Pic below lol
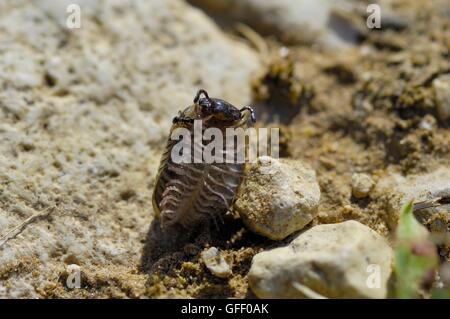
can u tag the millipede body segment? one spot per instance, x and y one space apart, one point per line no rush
186 193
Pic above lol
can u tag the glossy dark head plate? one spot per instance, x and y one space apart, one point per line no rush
220 109
212 110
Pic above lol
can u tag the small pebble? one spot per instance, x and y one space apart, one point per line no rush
216 264
396 189
278 197
284 52
362 184
428 123
441 87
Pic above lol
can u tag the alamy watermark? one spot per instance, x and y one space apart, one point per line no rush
235 145
74 276
73 20
374 19
373 280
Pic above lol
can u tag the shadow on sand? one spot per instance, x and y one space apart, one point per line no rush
163 249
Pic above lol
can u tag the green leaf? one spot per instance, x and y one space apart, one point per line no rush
416 257
440 293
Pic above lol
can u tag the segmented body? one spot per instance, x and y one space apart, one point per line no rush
193 191
186 193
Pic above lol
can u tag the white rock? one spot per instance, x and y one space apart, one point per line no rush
216 263
441 87
395 190
362 184
345 260
278 197
298 21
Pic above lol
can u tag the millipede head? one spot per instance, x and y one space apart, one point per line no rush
220 110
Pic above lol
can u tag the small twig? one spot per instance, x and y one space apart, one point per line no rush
308 292
435 202
255 39
19 228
